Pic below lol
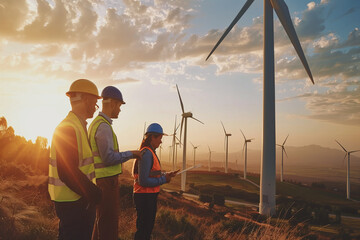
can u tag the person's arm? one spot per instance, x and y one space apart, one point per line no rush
144 167
68 165
105 143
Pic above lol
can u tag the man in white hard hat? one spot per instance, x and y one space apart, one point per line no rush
108 161
71 166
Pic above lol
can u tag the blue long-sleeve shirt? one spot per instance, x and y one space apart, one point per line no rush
144 167
105 144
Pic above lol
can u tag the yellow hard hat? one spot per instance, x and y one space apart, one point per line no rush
83 86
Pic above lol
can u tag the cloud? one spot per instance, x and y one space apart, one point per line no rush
340 104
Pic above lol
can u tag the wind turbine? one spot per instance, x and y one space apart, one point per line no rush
268 171
170 153
282 158
195 147
246 141
210 158
174 147
348 169
227 135
185 116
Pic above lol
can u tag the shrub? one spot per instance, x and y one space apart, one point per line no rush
205 198
219 199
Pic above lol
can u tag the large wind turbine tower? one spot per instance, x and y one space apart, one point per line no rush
268 166
227 135
185 116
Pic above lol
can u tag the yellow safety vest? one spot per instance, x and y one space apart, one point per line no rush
101 170
58 191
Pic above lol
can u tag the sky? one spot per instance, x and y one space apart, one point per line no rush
146 47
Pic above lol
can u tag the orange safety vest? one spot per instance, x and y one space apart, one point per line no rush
155 172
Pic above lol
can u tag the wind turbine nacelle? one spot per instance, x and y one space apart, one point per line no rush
248 140
228 134
187 114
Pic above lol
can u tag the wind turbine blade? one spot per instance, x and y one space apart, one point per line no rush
192 145
286 139
209 148
283 13
236 19
175 126
181 103
178 140
197 120
341 146
243 134
223 127
279 145
182 121
285 152
344 158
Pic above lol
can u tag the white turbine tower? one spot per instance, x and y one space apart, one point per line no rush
268 171
169 153
227 135
185 116
348 169
246 141
174 144
195 147
210 158
282 158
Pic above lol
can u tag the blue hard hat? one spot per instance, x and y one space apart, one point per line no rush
112 92
155 128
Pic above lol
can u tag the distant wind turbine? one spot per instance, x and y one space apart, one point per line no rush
210 158
174 144
185 116
170 153
268 166
246 141
227 135
282 158
195 147
347 153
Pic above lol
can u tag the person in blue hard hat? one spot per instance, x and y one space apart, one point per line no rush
147 180
108 163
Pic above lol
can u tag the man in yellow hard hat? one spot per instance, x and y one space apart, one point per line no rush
71 166
108 163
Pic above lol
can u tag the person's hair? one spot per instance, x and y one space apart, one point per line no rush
147 139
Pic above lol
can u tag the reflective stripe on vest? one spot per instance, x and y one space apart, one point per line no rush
155 172
58 190
101 170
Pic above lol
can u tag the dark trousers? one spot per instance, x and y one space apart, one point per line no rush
76 220
106 222
146 205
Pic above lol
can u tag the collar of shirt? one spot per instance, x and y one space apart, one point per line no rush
106 117
82 121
